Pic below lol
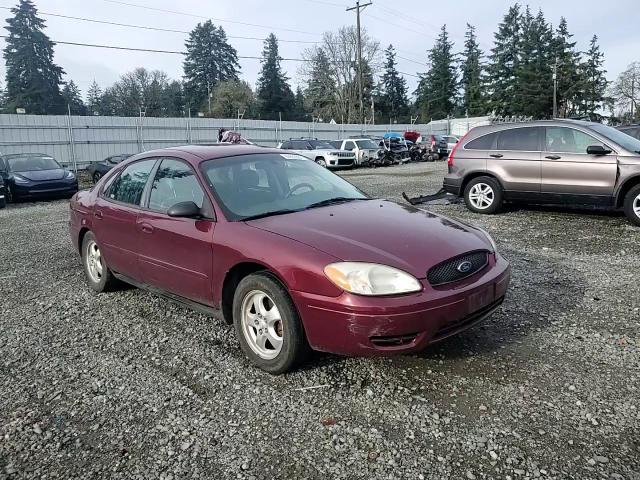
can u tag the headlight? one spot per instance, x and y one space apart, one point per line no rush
69 175
20 180
371 278
493 244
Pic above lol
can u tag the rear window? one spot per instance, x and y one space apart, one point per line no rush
523 139
485 142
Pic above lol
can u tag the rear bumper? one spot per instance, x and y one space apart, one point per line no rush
452 185
366 326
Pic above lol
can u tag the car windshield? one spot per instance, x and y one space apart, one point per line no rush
367 144
625 141
321 144
30 163
264 184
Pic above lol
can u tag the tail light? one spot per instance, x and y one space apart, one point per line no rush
453 150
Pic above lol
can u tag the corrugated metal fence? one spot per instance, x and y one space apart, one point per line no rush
76 140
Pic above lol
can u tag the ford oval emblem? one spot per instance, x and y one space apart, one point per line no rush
464 267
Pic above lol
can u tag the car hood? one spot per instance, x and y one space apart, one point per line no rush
378 231
43 175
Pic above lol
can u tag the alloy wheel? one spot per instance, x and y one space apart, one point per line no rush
262 324
321 162
636 206
481 196
94 262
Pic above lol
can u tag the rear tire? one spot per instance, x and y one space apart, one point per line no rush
96 270
276 316
483 195
632 205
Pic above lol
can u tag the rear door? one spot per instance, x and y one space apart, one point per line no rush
570 174
515 160
175 254
115 214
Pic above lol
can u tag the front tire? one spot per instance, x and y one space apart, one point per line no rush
632 205
483 195
96 270
321 161
267 324
96 177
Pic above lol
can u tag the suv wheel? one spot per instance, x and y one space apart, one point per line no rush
483 195
320 161
632 205
267 324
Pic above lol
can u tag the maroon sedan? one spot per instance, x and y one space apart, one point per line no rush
290 253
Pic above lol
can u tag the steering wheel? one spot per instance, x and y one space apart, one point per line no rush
299 186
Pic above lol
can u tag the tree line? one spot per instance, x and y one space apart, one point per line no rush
515 78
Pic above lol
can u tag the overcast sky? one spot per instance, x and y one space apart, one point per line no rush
414 25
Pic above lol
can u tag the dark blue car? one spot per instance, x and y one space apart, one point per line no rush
36 175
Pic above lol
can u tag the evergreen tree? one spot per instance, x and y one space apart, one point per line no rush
503 63
567 60
533 95
73 99
392 102
299 110
473 102
173 101
273 90
210 59
594 80
33 80
436 92
94 94
321 86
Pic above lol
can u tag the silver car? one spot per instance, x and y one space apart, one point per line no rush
549 162
320 151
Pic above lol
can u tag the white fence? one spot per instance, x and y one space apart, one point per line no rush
76 140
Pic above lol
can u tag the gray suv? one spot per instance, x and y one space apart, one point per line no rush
550 162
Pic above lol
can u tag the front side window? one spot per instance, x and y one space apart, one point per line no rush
568 140
519 139
31 163
174 182
128 187
260 184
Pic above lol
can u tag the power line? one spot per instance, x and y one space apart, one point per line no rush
193 15
155 29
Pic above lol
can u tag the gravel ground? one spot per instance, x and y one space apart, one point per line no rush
129 385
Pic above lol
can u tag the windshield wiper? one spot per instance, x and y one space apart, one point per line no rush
333 201
269 214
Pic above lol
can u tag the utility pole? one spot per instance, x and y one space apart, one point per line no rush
633 95
358 8
555 89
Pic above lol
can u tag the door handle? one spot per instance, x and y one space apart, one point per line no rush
553 157
146 228
496 155
98 214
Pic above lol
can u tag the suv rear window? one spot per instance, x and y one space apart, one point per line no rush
523 139
485 142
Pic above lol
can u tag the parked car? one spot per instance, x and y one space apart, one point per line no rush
320 151
451 141
3 193
35 175
555 162
365 149
633 130
439 147
396 143
295 257
98 169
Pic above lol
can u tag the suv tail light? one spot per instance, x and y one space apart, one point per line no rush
455 147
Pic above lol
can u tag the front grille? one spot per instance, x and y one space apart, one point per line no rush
344 155
451 271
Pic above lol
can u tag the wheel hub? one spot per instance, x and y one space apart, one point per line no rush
262 324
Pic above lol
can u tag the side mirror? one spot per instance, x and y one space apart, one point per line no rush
185 210
597 150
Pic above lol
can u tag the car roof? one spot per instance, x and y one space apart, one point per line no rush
199 153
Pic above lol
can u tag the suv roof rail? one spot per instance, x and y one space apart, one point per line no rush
303 138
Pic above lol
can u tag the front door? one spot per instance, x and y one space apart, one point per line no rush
516 161
570 173
175 254
115 214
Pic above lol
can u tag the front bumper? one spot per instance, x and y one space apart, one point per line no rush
365 326
340 162
44 189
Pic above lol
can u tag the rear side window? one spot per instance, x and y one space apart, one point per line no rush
485 142
568 140
286 145
523 139
128 187
174 182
